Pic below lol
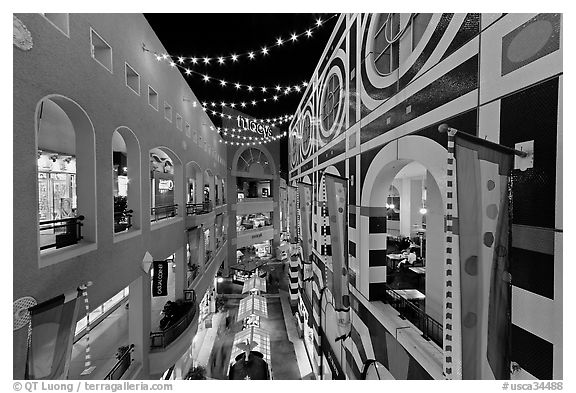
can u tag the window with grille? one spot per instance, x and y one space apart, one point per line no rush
331 101
387 38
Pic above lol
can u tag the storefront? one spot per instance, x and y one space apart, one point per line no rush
162 181
56 186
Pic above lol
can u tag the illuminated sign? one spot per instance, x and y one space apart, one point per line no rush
165 185
251 125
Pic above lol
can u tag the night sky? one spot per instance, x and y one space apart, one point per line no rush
214 35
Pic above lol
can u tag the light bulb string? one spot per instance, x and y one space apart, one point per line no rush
296 88
271 122
250 54
259 142
234 134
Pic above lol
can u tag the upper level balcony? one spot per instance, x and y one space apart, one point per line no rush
199 213
254 205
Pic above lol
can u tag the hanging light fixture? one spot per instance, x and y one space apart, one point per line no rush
423 210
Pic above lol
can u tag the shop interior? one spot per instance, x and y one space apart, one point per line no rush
253 188
253 221
406 232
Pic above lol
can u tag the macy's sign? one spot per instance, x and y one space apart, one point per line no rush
251 125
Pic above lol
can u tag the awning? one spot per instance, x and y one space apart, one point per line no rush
260 338
254 284
248 266
252 305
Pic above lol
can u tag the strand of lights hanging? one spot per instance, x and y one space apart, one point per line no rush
250 54
297 88
272 122
232 131
254 141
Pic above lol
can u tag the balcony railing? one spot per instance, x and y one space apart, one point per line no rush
163 338
121 366
123 221
429 327
162 212
60 233
191 275
198 208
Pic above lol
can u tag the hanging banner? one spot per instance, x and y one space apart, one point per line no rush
160 279
336 195
292 213
305 195
53 324
482 181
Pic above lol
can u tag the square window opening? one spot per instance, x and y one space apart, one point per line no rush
100 50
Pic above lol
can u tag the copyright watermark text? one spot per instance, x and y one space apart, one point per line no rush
89 386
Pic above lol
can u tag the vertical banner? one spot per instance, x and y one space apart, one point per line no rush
336 196
292 217
305 193
482 177
160 279
53 326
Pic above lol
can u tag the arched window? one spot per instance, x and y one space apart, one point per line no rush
306 132
331 101
254 160
165 172
390 28
66 174
126 179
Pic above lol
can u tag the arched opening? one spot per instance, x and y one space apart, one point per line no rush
126 179
66 173
193 183
405 258
217 190
223 187
208 190
165 185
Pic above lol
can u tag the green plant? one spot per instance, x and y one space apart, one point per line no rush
198 372
120 204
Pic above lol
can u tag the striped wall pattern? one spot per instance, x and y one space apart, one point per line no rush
520 100
88 361
377 232
294 278
448 270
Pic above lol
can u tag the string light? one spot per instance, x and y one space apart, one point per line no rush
251 54
250 88
270 121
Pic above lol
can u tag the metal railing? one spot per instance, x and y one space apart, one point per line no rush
163 338
191 275
123 221
162 212
60 233
121 365
430 328
198 208
208 255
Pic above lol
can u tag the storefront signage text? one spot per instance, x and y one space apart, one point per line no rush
256 235
165 185
251 125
